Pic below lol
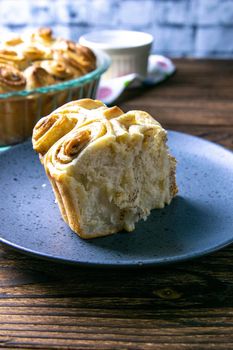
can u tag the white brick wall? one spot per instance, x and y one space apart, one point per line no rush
176 40
173 12
14 12
210 41
101 13
70 12
133 13
215 12
198 28
40 13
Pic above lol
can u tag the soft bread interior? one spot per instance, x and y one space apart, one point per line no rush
116 183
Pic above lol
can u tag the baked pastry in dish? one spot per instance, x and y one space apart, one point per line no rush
108 169
32 61
54 55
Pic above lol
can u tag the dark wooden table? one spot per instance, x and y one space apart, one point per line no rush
183 306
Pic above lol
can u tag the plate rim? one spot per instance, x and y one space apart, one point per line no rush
160 262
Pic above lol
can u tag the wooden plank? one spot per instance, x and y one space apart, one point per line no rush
200 93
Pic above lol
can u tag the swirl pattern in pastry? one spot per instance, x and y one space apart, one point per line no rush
14 58
37 77
11 79
59 69
62 59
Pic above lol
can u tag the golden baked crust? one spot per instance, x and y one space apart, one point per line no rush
108 169
62 59
37 77
11 79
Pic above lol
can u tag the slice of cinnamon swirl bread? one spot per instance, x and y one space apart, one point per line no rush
108 169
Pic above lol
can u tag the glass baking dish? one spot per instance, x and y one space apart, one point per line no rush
19 111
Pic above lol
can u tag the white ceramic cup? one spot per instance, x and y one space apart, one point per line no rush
128 50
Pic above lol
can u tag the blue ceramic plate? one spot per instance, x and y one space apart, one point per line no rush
198 221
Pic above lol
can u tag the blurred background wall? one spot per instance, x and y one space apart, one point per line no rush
199 28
